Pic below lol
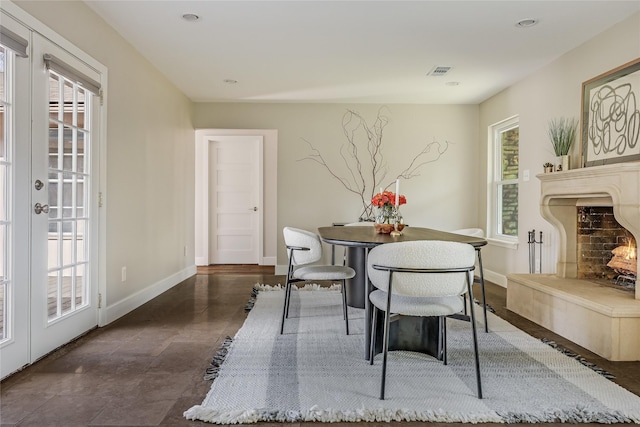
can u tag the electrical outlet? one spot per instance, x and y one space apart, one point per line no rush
124 274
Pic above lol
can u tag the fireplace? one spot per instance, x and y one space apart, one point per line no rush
616 186
601 318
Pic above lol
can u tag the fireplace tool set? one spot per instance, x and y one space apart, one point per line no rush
532 251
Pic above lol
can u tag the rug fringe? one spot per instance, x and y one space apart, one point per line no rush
577 415
211 373
307 287
315 414
489 308
579 358
258 287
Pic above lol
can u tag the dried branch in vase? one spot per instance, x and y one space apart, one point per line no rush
363 175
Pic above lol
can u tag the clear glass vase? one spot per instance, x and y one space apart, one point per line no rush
388 219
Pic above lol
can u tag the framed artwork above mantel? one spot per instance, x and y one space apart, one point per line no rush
611 116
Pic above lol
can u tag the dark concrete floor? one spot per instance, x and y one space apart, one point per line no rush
146 368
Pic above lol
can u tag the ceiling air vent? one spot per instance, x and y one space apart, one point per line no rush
439 71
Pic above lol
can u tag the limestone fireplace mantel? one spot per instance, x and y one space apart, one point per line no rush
616 185
600 318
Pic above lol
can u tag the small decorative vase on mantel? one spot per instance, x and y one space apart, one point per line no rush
563 163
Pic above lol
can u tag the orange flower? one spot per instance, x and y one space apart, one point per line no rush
387 198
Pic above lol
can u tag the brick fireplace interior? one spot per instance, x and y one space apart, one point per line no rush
599 234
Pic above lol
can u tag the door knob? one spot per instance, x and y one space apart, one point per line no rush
38 184
38 208
255 209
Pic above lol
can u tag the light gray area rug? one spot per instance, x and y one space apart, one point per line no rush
314 372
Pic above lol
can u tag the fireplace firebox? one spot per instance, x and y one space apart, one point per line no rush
606 250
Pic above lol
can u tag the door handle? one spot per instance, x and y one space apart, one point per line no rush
38 208
255 209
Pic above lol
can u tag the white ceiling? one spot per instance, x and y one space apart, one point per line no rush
354 51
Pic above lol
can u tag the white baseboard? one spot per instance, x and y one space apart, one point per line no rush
268 260
124 306
497 278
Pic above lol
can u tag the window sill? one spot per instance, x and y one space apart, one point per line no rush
503 243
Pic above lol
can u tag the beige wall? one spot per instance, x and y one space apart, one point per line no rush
444 195
553 91
150 160
150 155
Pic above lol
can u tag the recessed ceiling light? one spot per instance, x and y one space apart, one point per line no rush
191 17
526 23
230 81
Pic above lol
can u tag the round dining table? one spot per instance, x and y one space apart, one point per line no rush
408 333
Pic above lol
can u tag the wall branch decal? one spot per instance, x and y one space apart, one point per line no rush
364 174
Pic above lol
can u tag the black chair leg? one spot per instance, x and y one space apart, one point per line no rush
475 339
484 298
443 335
345 310
385 343
285 305
372 341
385 351
344 301
287 294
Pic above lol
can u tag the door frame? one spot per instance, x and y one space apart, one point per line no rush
267 221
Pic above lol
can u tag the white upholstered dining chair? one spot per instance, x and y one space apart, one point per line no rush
425 279
477 232
304 248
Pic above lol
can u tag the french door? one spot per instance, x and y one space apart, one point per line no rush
64 302
49 225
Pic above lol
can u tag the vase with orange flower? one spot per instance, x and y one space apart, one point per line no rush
387 211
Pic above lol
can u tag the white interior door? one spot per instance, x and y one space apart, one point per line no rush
235 199
64 189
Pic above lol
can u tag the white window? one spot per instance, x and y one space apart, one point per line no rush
503 181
